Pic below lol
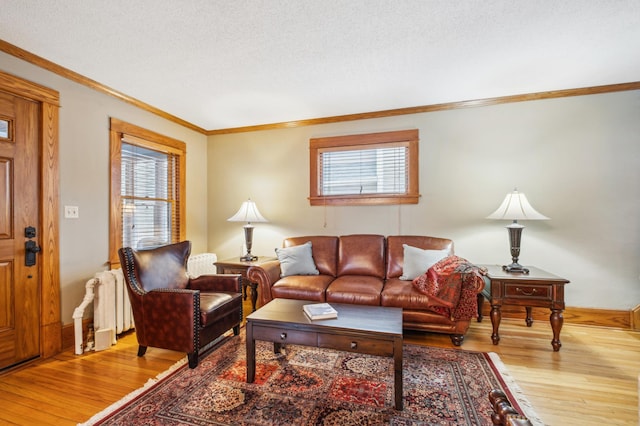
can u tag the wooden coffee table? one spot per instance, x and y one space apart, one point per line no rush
373 330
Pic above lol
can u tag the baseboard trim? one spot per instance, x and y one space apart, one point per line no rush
69 335
629 320
635 318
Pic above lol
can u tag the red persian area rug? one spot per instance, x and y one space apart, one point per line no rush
310 386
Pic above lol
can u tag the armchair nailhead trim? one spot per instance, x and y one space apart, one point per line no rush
196 324
128 269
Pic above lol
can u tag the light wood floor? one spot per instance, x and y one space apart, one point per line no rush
592 380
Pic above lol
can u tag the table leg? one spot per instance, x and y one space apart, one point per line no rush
254 295
556 319
245 290
496 317
480 299
529 319
397 365
251 354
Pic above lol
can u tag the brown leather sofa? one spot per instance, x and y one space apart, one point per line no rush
362 269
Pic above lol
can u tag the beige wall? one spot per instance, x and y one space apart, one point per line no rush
84 175
577 160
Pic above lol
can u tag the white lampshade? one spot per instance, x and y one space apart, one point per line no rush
248 212
516 207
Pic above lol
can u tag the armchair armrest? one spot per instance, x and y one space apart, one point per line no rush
217 282
265 275
177 308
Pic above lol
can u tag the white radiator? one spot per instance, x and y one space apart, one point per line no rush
111 310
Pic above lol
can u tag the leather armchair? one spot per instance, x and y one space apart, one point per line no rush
173 311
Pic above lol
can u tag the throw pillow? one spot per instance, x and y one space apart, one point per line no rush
297 260
417 261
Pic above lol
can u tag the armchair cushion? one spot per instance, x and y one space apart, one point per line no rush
214 306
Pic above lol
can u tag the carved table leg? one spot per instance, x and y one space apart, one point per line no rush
480 303
496 317
556 319
254 295
529 318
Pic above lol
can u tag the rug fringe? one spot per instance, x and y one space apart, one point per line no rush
515 390
134 394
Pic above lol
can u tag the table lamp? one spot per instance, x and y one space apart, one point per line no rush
516 207
248 212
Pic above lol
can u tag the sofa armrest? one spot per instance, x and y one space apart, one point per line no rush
217 282
265 275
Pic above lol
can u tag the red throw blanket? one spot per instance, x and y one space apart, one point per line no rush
452 283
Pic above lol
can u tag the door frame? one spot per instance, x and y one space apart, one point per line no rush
49 220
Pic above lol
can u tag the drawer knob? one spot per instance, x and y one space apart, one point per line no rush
354 345
283 336
526 293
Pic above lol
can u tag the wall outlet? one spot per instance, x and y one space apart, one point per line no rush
71 212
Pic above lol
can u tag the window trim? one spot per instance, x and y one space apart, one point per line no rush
365 141
119 130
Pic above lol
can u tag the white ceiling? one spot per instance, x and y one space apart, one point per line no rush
223 63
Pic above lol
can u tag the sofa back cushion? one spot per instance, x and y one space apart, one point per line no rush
395 251
324 250
361 255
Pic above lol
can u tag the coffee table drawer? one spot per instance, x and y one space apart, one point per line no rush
279 335
356 344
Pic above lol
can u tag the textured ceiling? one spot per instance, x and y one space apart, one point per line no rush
221 64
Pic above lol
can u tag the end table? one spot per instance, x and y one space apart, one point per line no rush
537 288
236 266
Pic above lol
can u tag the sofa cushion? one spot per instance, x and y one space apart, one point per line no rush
417 261
355 289
361 255
296 260
402 294
324 249
303 287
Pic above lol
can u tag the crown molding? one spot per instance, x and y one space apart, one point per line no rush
437 107
78 78
85 81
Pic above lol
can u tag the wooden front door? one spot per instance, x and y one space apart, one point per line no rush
19 233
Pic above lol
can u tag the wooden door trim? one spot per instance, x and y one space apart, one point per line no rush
49 221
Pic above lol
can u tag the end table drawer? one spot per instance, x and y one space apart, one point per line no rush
522 291
279 335
356 344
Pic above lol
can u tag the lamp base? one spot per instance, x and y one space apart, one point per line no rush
248 258
515 268
515 234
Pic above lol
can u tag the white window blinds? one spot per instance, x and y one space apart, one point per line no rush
149 182
365 170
